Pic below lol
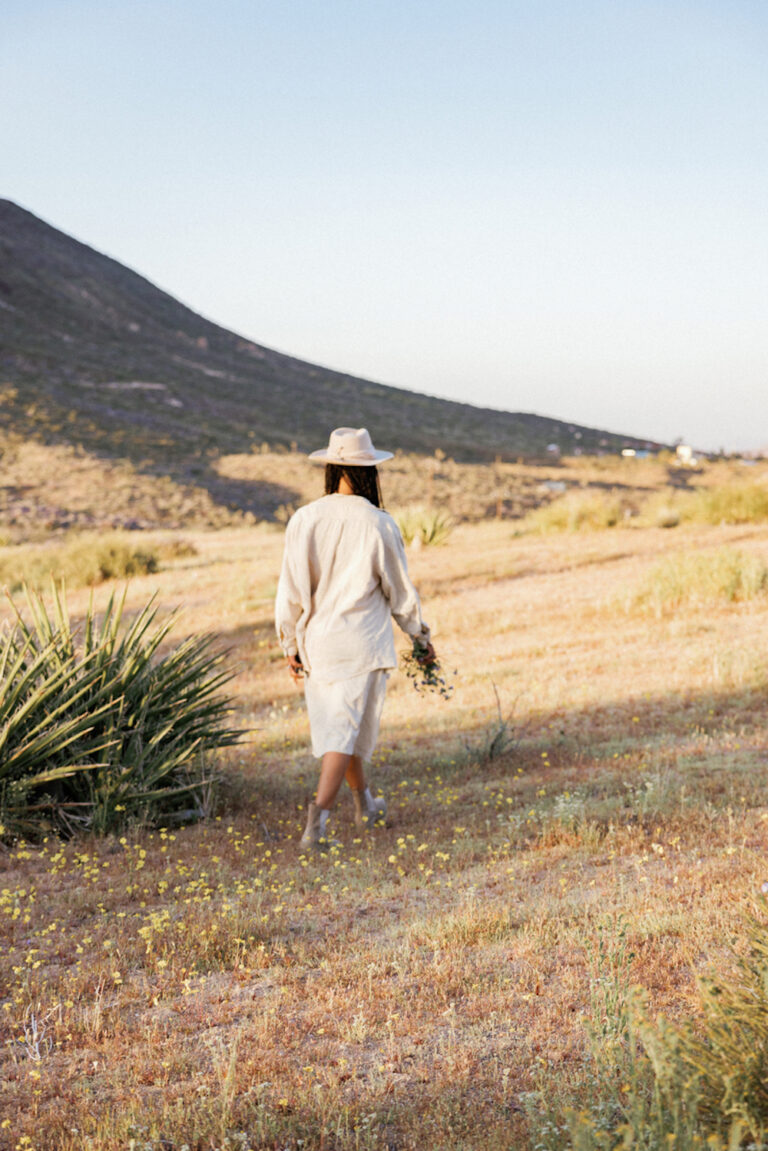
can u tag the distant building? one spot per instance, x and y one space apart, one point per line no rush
685 456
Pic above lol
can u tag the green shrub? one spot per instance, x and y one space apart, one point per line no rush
700 1085
734 503
98 729
726 1056
701 578
175 548
737 503
81 560
421 525
575 511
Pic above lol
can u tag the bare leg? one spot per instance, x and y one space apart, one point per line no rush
355 773
334 767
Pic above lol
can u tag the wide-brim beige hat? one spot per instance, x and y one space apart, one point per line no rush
352 446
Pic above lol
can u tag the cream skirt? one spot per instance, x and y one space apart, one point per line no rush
344 716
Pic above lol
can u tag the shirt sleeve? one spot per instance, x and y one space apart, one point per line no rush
288 599
397 587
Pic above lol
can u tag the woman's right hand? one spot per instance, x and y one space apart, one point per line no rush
426 654
296 668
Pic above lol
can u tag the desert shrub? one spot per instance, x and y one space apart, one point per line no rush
650 1085
419 525
726 1056
283 512
90 559
700 1085
493 740
575 511
176 548
701 578
736 503
78 561
97 729
661 510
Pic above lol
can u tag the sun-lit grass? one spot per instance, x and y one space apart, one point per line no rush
737 501
576 511
734 503
80 560
419 986
701 579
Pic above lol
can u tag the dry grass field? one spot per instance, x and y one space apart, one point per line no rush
440 982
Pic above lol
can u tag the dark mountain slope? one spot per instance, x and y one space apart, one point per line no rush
93 354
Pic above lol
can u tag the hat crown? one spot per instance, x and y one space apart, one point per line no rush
350 443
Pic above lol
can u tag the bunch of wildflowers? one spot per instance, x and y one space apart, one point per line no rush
425 673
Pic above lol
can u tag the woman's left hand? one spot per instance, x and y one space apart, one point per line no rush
296 668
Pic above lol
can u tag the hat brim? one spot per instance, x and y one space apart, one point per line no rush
370 461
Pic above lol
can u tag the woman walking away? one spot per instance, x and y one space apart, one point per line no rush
344 576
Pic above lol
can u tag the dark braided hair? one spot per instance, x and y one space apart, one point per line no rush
364 481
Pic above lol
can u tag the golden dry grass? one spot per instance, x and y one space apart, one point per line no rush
407 990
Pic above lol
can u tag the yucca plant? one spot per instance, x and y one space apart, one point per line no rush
97 728
424 526
45 724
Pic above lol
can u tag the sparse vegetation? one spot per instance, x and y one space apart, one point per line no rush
655 1084
495 739
665 506
175 548
81 560
576 511
461 978
48 489
734 503
700 579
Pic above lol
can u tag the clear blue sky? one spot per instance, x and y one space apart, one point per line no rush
544 206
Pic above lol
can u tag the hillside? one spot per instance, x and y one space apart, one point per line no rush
93 355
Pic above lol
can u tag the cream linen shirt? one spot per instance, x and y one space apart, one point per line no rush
344 577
